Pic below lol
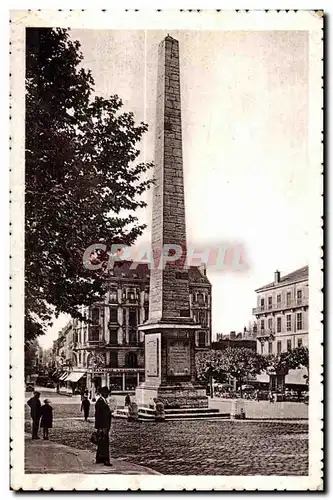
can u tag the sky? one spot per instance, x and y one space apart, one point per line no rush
245 123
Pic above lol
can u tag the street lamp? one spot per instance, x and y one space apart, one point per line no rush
95 361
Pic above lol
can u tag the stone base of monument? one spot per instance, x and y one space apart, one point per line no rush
185 402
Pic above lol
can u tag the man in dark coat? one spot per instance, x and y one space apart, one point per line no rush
47 418
35 406
85 405
103 424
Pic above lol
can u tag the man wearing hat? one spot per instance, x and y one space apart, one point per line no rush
103 424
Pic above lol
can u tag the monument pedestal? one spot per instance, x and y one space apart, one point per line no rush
170 368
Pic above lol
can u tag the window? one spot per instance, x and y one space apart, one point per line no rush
288 317
278 325
299 321
146 313
202 318
299 342
288 344
270 324
202 339
132 319
113 296
278 347
93 334
131 360
270 302
288 298
95 315
113 315
278 300
200 299
262 304
113 359
270 347
113 335
299 297
132 335
262 324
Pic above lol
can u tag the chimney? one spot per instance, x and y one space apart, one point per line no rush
203 269
276 277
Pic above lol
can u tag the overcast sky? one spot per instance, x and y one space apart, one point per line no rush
244 119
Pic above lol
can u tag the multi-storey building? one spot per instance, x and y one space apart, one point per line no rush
282 312
282 319
110 349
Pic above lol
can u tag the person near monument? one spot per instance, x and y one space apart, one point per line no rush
35 412
85 406
127 400
47 418
103 424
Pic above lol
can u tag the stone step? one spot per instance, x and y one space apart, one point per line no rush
148 414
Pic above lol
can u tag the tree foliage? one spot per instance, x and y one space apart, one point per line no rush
238 362
290 360
30 357
83 181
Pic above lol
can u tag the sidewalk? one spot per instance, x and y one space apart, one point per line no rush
263 410
47 457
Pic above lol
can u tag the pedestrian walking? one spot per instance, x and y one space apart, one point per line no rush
85 406
127 400
103 424
270 397
47 418
35 412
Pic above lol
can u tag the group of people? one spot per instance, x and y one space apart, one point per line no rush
41 415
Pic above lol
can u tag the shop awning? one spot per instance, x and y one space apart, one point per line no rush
63 376
75 376
296 377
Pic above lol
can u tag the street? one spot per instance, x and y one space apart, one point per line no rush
191 447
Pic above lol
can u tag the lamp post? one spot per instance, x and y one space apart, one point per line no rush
95 361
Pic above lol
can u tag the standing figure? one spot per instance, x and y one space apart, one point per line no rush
103 424
85 405
127 400
35 407
47 418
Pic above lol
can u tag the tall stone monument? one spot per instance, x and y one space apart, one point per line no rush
169 332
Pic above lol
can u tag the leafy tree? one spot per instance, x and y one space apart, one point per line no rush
238 362
209 367
30 357
291 360
83 181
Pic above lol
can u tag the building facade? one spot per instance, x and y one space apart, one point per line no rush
282 312
282 323
110 349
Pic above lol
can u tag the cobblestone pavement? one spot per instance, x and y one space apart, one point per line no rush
194 447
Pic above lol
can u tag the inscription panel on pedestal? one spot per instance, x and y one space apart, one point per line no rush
152 356
179 362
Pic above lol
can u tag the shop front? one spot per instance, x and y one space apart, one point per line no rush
117 379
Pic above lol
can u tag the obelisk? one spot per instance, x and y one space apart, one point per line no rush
169 332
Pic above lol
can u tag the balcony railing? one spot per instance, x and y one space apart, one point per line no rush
264 333
290 304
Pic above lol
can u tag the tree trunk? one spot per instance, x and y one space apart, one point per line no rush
240 385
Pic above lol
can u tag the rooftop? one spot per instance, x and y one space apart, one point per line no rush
139 270
301 274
